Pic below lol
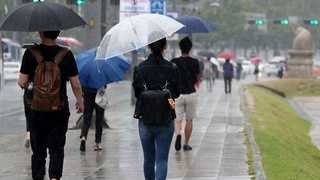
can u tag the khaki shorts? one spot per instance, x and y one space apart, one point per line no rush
186 106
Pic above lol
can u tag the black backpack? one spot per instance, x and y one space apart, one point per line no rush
153 108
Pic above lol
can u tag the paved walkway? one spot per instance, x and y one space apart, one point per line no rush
309 107
218 151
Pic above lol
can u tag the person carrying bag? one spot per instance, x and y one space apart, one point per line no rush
156 86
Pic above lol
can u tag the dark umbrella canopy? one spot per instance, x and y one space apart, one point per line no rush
194 24
206 54
41 16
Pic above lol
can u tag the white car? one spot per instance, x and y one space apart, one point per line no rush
271 69
11 70
247 67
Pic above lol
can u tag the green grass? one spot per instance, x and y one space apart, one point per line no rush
283 139
250 160
294 87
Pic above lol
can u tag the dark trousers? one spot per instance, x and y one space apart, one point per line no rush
27 109
89 106
48 131
227 84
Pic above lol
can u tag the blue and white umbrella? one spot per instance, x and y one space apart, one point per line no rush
95 74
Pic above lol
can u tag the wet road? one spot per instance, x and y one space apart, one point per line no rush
218 149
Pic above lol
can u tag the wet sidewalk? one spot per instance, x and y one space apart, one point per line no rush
309 108
218 151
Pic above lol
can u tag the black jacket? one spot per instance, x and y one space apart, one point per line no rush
155 74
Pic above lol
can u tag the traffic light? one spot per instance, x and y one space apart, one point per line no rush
80 2
284 22
312 22
257 22
76 2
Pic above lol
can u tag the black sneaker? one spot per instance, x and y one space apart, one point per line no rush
82 145
187 147
178 143
27 143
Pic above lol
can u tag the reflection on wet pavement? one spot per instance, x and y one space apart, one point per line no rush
218 150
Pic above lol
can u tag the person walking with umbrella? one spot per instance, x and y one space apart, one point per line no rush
89 95
48 67
155 109
155 84
94 76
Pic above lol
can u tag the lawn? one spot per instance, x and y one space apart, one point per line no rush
294 87
283 138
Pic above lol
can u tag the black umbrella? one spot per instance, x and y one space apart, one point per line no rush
206 54
41 16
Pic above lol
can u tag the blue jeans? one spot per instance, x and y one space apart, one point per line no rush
156 143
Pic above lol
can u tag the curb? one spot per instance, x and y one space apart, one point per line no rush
259 173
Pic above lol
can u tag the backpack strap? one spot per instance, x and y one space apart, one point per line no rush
61 54
37 54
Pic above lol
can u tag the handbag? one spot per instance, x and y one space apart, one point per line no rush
102 98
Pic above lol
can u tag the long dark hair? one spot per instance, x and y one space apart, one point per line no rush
158 47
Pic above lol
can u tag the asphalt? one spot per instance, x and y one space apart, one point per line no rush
218 151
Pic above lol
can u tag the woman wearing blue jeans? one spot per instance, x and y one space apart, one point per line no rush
156 129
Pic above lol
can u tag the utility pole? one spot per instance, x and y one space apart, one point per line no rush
103 18
1 67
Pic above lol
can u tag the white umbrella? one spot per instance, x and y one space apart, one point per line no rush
136 32
213 60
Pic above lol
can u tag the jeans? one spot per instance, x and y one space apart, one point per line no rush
156 143
89 106
227 84
48 131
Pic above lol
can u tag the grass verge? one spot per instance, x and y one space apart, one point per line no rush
294 87
283 138
250 156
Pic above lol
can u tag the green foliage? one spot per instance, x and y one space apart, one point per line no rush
283 138
231 19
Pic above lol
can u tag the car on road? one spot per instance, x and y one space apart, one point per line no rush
11 70
272 69
247 67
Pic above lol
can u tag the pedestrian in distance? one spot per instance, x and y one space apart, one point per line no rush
90 105
239 70
156 86
256 72
280 72
49 67
228 76
208 74
186 108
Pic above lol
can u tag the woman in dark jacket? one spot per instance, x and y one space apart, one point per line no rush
156 73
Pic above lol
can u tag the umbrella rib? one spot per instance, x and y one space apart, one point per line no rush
134 30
